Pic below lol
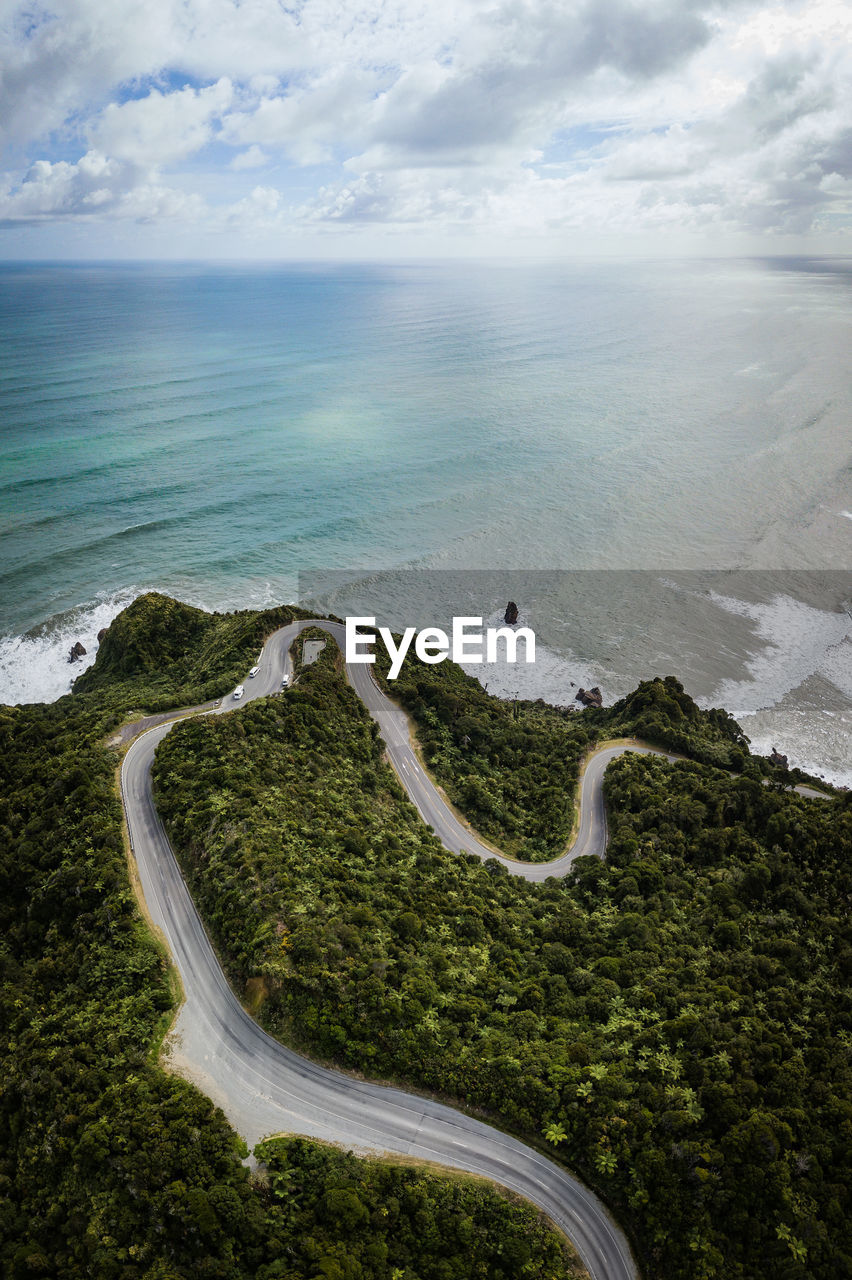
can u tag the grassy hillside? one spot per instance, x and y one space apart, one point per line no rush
159 653
674 1023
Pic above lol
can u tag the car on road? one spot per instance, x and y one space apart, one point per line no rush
238 692
253 672
285 681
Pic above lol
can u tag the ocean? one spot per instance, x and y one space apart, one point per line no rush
655 459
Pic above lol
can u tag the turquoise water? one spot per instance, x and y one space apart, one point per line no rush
212 431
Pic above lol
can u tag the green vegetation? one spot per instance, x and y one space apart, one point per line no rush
661 712
105 1161
512 767
161 654
350 1218
108 1167
675 1023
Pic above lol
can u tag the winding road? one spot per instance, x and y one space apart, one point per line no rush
265 1088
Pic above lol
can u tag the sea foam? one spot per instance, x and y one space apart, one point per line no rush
797 641
796 692
34 667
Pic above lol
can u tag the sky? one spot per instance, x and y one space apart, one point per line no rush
392 128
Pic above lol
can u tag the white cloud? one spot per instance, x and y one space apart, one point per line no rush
94 186
253 158
68 59
524 116
308 122
261 211
161 128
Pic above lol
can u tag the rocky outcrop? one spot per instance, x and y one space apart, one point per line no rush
778 760
590 697
101 634
511 614
77 652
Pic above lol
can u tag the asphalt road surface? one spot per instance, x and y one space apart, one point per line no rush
265 1088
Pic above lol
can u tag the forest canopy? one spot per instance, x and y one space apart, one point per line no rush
110 1168
674 1023
512 766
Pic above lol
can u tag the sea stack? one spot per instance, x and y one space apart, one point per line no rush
511 614
77 652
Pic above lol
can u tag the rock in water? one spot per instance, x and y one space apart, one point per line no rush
590 697
77 652
511 614
778 760
101 634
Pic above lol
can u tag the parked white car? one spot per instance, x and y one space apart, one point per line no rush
285 682
238 692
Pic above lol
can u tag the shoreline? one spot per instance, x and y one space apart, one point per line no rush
830 767
34 668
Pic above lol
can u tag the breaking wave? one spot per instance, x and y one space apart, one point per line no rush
34 667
